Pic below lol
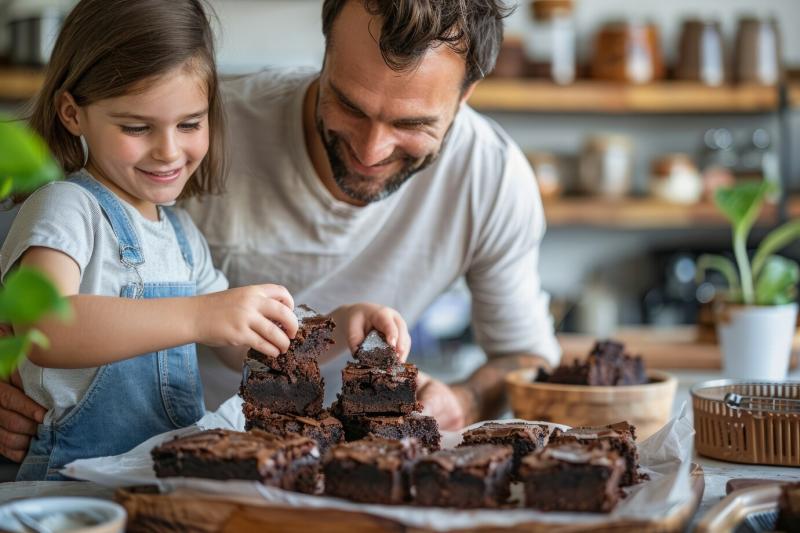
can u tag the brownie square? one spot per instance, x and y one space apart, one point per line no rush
376 352
620 436
368 390
371 470
573 477
789 508
423 428
323 428
314 336
468 477
291 464
523 437
299 392
606 365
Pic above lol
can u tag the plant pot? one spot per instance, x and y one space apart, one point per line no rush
756 341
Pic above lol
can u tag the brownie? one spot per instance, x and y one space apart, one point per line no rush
789 508
323 428
299 392
523 437
376 352
372 470
620 436
368 390
291 463
573 477
468 477
314 336
606 365
423 428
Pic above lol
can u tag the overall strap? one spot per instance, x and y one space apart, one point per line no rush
130 251
186 250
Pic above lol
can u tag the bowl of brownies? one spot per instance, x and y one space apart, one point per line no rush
606 386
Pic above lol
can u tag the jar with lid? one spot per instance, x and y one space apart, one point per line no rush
550 44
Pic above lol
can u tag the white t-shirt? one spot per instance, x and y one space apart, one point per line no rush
475 212
66 217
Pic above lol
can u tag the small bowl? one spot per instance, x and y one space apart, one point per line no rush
648 407
67 514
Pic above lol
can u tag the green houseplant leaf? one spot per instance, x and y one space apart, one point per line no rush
14 349
776 240
777 284
720 263
28 295
24 158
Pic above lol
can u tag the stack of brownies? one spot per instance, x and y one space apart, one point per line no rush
283 395
379 396
606 365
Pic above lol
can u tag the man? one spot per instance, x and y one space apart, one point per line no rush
372 180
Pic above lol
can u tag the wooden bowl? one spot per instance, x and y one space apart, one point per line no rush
648 407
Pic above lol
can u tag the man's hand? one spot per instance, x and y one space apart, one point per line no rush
19 417
448 405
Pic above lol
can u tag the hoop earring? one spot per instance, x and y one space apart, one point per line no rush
85 148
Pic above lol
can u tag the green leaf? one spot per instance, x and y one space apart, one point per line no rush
12 350
6 187
777 239
742 203
720 263
777 284
37 337
24 157
28 295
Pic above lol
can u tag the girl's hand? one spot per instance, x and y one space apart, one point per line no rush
360 318
247 316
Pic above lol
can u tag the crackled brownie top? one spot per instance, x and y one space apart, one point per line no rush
375 351
510 430
477 460
228 445
619 430
309 320
386 454
322 420
595 453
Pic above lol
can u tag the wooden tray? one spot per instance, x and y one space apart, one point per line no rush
205 513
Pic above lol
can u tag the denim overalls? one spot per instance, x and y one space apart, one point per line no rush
131 400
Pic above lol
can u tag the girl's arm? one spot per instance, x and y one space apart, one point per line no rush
106 329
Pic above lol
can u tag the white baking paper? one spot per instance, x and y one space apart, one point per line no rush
665 456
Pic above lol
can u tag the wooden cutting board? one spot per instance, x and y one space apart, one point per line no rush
205 513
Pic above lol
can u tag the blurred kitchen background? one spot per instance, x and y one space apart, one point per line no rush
630 111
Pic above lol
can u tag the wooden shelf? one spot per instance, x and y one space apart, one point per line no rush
604 97
643 213
675 347
19 83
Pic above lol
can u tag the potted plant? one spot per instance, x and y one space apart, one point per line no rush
26 295
756 320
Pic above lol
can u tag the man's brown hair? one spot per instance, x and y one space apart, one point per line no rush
109 48
472 28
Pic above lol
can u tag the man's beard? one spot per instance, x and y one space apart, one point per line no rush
364 188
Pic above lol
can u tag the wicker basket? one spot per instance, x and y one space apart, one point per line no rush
742 435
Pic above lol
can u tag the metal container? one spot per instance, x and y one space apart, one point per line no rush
762 426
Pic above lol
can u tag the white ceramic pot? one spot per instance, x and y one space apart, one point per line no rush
756 341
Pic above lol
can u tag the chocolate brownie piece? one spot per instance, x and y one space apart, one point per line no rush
620 436
376 352
573 477
299 392
523 437
468 477
314 336
323 428
789 508
423 428
606 365
368 391
372 470
291 463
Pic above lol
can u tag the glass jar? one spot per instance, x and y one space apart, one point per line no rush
550 44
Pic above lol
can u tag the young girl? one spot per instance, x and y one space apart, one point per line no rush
131 109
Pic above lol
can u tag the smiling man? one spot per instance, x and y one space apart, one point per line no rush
373 180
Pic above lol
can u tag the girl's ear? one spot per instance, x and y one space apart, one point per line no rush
68 113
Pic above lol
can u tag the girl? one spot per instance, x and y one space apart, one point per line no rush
131 109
